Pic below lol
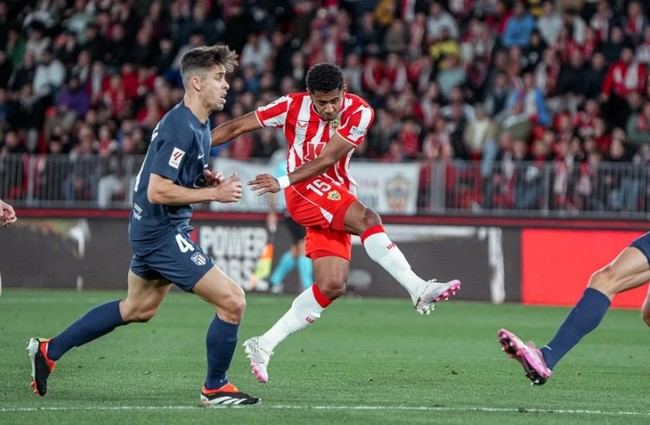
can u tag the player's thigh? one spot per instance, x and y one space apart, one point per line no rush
627 271
219 290
143 297
358 218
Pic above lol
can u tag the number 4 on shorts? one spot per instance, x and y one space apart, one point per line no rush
183 244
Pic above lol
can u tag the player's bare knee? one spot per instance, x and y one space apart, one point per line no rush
233 307
604 280
137 314
332 288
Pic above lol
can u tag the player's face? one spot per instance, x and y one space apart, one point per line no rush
328 104
215 87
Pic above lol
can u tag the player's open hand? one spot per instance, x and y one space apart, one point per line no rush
229 190
264 183
213 178
7 214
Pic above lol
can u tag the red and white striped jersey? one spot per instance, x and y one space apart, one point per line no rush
306 133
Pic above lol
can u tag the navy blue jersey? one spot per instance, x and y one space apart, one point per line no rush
179 150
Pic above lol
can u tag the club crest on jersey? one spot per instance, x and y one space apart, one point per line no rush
199 259
334 195
176 157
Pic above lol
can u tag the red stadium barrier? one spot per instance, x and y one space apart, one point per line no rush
557 264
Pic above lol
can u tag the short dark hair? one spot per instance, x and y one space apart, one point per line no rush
205 57
324 77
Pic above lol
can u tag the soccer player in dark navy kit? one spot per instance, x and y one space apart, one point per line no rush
630 269
174 175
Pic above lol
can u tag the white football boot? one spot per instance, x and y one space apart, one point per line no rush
259 359
434 292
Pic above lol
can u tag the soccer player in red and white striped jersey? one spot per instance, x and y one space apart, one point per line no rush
322 127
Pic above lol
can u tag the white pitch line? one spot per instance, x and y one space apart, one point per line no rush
483 409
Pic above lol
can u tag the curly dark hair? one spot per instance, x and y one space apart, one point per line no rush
324 77
206 57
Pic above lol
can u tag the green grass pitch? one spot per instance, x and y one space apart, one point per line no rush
367 361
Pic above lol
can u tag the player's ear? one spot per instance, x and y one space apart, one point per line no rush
195 80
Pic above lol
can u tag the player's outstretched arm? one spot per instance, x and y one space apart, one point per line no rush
163 191
334 150
7 214
233 128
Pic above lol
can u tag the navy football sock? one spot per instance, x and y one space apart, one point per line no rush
584 318
220 341
97 322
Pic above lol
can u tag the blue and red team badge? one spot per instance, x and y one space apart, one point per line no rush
199 259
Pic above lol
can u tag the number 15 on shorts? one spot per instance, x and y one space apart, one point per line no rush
319 187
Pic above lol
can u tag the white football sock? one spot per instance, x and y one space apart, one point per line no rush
304 311
384 252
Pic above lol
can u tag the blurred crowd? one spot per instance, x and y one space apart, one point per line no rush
492 82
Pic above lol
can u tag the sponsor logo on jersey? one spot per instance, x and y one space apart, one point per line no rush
356 132
334 195
199 259
176 157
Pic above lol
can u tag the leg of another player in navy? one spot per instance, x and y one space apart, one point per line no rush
630 269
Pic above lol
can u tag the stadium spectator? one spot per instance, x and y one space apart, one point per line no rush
519 27
638 127
550 23
49 75
440 21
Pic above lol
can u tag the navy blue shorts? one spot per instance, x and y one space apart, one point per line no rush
174 257
642 243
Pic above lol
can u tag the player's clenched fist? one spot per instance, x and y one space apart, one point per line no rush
228 190
7 214
264 183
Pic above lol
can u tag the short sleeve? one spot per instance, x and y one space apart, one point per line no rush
173 148
275 113
355 128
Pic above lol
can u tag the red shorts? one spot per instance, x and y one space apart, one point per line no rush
320 204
